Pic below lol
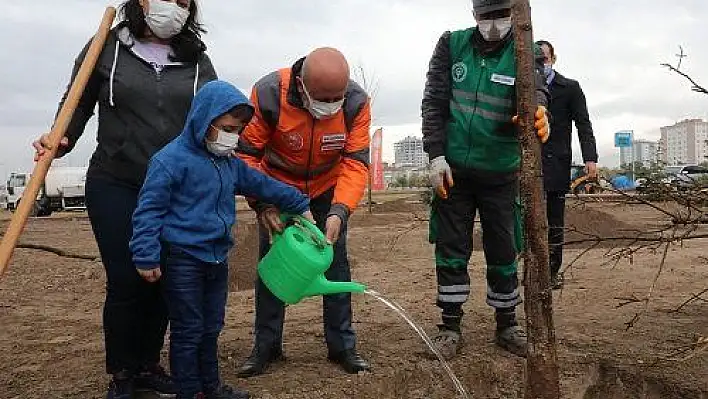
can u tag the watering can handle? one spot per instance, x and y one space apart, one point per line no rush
307 227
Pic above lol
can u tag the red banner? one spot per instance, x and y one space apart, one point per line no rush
377 172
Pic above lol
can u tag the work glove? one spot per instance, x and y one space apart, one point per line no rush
543 127
441 176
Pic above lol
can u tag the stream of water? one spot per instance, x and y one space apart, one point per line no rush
418 329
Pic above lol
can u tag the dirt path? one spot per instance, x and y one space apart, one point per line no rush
51 338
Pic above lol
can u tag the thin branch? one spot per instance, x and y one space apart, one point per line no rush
693 350
696 87
580 255
370 83
693 298
636 239
639 314
645 202
624 301
417 223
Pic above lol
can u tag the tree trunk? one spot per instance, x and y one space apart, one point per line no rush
542 364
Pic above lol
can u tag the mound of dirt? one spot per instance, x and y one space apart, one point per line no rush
580 224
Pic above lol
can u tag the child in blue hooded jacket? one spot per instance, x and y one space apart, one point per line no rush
183 221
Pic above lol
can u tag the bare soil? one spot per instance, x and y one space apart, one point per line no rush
51 343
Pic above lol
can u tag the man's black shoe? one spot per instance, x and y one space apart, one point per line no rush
350 361
259 360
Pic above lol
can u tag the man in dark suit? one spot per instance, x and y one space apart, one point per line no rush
567 106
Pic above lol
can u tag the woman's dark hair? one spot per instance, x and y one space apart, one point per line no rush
243 112
187 45
549 45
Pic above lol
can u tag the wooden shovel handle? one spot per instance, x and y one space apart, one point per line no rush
19 219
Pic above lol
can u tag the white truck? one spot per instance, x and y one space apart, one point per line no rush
63 190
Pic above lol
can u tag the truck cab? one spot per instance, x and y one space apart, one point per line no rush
16 184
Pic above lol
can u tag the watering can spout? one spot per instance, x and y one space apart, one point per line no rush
322 286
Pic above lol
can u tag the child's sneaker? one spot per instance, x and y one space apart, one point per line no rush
227 392
120 387
155 379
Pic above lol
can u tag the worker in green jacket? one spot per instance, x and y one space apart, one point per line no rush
468 132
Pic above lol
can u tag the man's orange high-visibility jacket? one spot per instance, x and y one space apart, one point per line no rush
286 142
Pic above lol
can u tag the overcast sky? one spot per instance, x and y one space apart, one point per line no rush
613 48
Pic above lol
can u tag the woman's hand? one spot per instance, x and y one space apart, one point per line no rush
42 145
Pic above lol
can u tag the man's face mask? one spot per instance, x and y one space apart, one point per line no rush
493 30
321 109
166 19
224 144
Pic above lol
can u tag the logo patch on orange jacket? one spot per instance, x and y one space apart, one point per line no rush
294 141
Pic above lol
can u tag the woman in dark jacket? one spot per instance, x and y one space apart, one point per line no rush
148 72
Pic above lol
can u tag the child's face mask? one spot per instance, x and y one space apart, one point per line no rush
225 143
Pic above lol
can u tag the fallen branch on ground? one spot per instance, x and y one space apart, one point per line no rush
690 351
694 298
57 251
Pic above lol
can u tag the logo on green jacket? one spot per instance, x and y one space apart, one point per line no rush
459 72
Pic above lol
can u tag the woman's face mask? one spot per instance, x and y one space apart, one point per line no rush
493 30
166 18
224 144
321 109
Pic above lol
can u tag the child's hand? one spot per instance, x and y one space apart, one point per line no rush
270 219
308 215
151 275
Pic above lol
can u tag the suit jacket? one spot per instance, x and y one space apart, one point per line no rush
567 105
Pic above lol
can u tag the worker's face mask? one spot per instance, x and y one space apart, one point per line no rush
166 18
225 143
493 30
321 109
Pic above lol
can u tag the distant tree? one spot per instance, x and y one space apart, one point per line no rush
370 84
608 172
418 180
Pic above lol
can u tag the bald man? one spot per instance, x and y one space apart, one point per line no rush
311 130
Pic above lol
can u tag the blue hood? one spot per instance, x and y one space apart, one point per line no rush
213 100
189 196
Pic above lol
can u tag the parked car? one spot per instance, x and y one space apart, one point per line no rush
686 176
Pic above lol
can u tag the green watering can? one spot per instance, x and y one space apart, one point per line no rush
294 267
